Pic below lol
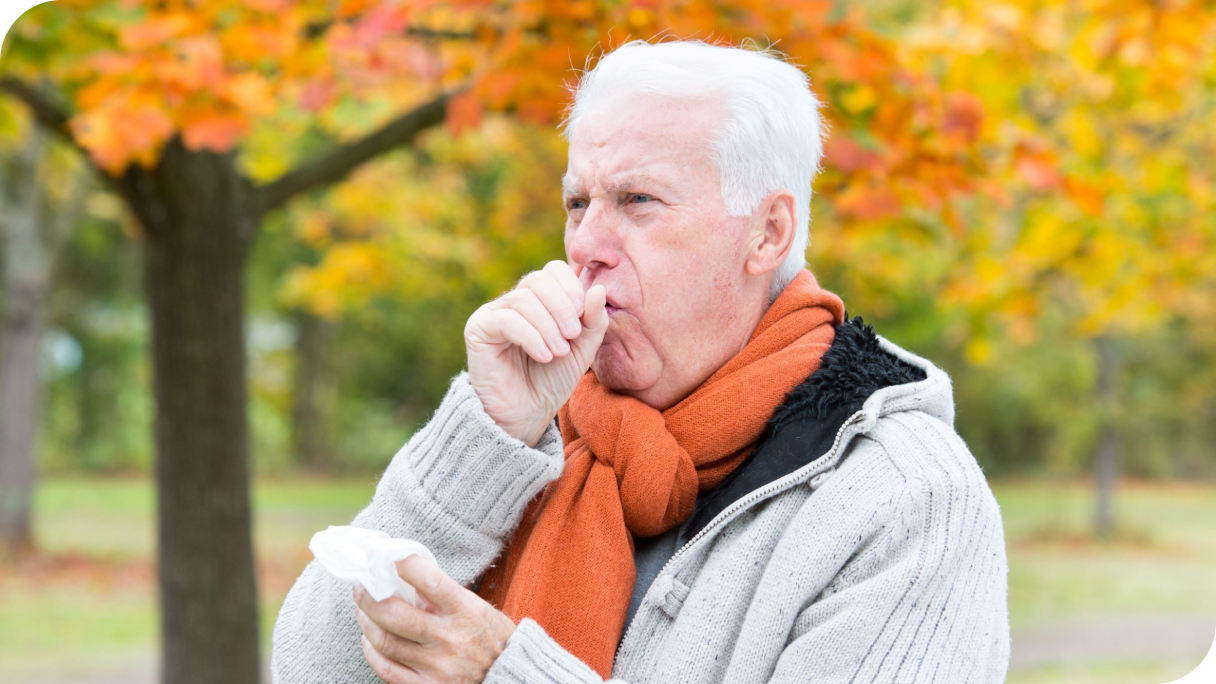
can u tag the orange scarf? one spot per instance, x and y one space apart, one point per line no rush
633 470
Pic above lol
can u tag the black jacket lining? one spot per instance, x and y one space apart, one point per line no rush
804 425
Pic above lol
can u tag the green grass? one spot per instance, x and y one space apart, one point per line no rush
91 605
1162 559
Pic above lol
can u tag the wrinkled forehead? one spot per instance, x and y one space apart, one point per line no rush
661 139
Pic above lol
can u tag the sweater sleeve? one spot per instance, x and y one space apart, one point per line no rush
459 486
925 603
533 657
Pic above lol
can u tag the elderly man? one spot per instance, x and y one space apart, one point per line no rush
673 458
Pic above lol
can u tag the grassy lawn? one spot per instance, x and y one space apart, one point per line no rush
1163 559
88 603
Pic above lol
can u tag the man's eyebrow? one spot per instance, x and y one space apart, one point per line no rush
571 186
635 180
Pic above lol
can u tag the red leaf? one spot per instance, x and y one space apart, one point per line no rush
1038 169
964 115
845 154
317 94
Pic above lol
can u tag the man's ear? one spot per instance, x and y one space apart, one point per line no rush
772 233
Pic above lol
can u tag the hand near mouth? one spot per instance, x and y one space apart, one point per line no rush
528 349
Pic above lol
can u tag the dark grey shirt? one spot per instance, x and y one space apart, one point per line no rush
650 554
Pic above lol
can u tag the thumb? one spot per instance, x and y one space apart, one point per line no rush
431 583
595 324
595 316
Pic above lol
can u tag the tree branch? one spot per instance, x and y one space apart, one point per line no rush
317 29
46 112
51 116
340 161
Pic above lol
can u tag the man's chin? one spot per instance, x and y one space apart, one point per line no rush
618 372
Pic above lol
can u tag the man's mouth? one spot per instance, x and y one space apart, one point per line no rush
610 306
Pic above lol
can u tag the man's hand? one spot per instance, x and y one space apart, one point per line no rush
454 641
529 348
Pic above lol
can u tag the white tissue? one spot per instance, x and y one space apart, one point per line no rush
368 557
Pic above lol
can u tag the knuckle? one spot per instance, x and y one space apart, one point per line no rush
399 619
529 295
481 314
529 279
383 671
414 621
518 298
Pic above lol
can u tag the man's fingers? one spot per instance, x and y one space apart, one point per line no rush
547 288
528 303
569 282
546 309
508 325
395 616
390 671
432 583
393 647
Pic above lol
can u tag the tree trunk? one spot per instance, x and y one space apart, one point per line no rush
32 234
23 318
1106 453
20 403
310 393
199 216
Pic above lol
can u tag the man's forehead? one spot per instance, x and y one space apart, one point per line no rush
649 141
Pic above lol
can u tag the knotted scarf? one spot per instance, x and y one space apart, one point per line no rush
633 470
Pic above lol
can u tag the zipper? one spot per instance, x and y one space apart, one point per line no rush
746 501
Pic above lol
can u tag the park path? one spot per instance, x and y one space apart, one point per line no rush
1152 637
1170 638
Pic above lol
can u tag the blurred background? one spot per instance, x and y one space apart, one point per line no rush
241 241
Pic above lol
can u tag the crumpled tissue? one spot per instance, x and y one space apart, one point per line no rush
368 557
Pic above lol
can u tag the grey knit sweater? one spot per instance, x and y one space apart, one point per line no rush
883 560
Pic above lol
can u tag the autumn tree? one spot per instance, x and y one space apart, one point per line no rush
1099 204
178 103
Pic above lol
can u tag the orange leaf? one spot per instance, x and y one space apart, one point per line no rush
251 93
122 132
964 115
868 203
269 6
464 112
1087 195
214 131
153 32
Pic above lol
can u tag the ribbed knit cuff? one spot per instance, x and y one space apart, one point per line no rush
474 469
533 657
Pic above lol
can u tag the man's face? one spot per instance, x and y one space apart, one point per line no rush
646 221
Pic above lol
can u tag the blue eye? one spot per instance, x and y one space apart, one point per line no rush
638 197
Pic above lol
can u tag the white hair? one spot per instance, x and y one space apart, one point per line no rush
772 135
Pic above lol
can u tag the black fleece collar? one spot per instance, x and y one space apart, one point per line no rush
804 425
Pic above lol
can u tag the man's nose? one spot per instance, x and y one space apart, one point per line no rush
595 241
